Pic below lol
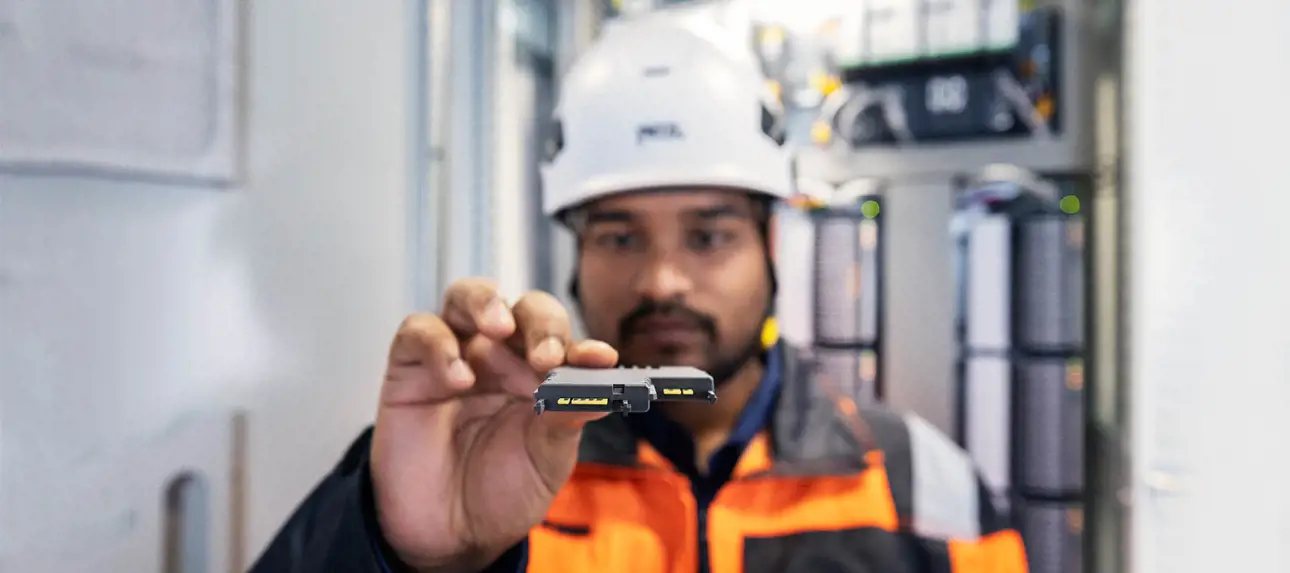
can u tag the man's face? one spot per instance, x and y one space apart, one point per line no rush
675 278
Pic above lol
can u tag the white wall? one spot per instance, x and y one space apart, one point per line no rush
521 110
126 308
1209 194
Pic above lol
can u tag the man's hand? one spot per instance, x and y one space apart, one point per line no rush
462 467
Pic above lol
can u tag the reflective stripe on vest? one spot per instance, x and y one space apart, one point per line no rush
941 500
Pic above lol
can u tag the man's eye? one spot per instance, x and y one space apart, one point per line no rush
619 241
704 240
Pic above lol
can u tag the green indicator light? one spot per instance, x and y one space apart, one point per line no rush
1069 204
869 209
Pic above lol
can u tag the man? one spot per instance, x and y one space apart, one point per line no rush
666 163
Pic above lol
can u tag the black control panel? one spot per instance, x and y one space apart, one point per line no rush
964 97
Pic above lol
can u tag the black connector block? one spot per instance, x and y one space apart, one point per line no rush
622 390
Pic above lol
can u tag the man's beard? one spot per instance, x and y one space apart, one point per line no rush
722 366
724 369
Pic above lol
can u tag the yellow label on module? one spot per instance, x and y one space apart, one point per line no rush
678 392
582 401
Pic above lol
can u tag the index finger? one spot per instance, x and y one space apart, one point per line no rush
472 306
543 329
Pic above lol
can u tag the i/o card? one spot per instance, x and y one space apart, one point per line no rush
681 383
569 389
623 390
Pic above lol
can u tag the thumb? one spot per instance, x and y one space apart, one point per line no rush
558 426
552 443
556 434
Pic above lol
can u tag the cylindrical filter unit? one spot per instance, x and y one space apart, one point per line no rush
1050 426
847 267
850 372
1054 534
1050 284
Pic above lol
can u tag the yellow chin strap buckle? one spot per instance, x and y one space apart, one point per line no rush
769 333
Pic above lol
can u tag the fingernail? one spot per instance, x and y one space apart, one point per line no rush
498 315
460 372
550 349
592 344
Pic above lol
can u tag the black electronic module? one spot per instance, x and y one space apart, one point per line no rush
623 390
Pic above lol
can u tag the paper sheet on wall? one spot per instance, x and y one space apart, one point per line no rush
143 87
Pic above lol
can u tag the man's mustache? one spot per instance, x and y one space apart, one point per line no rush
671 310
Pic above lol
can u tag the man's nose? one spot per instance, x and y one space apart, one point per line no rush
662 279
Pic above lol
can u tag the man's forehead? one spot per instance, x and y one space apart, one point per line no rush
673 203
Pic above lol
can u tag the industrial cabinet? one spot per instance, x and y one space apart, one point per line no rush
1021 261
848 298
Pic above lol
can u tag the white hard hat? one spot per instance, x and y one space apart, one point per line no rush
653 105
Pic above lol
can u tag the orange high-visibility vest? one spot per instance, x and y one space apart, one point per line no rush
828 487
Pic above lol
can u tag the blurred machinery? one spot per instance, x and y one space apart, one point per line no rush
966 125
1020 274
846 299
